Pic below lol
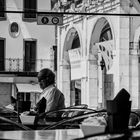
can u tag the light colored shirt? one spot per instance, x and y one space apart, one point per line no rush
54 98
47 92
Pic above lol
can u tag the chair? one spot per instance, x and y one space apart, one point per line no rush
23 106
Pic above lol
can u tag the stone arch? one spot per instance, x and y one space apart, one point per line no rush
97 76
97 28
72 32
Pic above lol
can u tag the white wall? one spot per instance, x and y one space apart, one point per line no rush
43 33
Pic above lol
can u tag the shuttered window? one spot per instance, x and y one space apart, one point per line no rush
30 55
30 8
2 9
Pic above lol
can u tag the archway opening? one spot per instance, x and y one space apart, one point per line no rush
103 82
71 77
75 98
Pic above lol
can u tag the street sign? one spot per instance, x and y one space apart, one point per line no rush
49 19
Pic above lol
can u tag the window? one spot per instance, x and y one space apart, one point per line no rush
2 8
30 8
30 55
23 96
75 86
106 33
76 41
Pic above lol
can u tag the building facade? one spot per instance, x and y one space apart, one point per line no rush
98 55
25 47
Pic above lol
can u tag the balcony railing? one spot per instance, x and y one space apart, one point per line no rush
19 65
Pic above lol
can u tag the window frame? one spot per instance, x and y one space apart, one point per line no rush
24 65
29 19
4 17
106 31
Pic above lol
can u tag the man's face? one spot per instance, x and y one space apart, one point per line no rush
42 81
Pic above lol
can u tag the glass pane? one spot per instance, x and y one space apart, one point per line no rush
2 8
30 6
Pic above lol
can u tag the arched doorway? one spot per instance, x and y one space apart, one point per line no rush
107 79
71 80
103 82
75 88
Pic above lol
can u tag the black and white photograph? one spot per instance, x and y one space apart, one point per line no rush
69 69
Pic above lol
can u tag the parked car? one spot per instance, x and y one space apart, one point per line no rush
100 115
75 121
53 117
70 117
65 112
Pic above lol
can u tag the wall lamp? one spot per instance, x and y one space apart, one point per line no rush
102 64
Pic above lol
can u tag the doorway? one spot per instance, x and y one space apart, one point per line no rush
75 92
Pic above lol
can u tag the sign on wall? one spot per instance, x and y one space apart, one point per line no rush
106 49
49 19
75 62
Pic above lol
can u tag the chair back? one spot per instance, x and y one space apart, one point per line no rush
23 106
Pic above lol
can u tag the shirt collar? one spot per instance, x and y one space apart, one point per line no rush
46 91
49 87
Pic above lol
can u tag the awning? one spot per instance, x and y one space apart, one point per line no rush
29 88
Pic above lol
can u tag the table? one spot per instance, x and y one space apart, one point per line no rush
60 134
38 126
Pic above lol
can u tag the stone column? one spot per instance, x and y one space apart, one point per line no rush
124 53
93 83
64 82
